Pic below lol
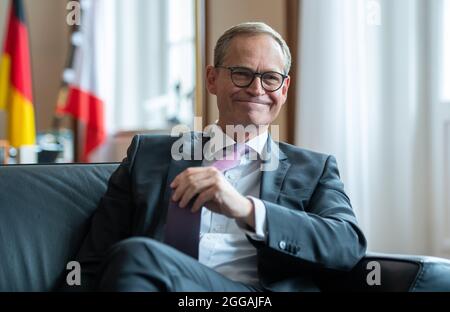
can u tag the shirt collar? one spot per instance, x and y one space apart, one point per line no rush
220 140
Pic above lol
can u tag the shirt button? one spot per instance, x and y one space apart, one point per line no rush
282 245
230 176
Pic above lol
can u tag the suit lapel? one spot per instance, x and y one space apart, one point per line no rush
192 145
274 167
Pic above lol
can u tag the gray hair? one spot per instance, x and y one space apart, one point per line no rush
250 29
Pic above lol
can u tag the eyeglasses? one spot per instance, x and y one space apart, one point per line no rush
243 77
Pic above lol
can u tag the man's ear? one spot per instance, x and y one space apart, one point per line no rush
211 79
285 87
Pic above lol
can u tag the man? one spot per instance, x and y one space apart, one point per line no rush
171 224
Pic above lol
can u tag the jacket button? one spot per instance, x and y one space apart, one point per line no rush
282 245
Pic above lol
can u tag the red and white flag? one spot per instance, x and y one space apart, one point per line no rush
86 99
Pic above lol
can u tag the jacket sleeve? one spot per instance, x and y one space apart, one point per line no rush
326 233
110 223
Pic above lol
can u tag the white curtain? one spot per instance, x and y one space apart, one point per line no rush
132 40
366 69
148 51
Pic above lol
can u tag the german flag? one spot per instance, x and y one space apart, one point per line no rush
15 80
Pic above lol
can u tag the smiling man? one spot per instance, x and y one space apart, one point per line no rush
226 222
241 98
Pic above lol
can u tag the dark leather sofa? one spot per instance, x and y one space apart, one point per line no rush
45 212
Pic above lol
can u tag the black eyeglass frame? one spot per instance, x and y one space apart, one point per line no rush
233 68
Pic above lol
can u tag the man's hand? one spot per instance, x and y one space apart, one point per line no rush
214 192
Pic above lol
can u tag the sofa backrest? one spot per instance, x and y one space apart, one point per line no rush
44 216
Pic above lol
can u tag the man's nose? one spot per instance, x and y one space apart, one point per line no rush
255 88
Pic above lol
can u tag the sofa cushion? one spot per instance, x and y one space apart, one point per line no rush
44 216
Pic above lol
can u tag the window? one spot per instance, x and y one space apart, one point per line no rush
181 51
153 58
446 52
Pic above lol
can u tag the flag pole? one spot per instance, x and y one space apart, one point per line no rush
62 97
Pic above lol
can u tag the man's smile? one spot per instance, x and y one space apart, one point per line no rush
251 101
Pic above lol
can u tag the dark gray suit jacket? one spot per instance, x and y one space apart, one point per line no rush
310 223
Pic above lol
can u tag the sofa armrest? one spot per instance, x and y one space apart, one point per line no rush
395 273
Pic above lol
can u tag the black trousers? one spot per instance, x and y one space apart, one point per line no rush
143 264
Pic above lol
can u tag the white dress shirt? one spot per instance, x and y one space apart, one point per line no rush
224 246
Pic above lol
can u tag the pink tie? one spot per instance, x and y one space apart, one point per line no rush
230 159
182 226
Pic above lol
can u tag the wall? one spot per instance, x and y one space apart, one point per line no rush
221 15
3 11
49 44
48 47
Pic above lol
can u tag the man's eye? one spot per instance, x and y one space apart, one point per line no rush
243 73
272 77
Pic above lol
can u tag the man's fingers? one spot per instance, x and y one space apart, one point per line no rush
188 177
192 171
181 183
179 191
194 189
202 198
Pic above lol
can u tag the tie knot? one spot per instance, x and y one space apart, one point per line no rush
240 148
231 156
235 151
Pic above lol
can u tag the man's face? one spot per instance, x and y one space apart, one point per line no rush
251 105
